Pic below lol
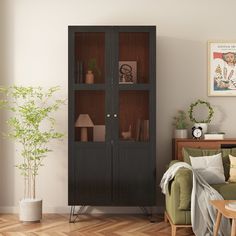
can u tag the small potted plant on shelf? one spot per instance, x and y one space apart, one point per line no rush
32 126
92 69
203 123
181 125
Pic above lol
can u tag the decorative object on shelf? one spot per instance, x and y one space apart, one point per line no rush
84 122
99 133
204 122
142 130
222 68
127 72
92 70
127 134
32 125
89 77
197 132
138 129
145 133
79 78
181 125
214 136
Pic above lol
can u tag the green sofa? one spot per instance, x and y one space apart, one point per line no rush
178 197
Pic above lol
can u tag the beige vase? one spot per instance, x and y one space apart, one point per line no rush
204 127
89 77
181 133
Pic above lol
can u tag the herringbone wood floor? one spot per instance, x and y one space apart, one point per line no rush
113 225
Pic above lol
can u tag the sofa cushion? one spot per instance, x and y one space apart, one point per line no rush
232 171
227 190
195 152
210 168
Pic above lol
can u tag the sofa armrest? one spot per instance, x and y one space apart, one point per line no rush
185 179
182 180
173 162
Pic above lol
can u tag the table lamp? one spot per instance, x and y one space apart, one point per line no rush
84 122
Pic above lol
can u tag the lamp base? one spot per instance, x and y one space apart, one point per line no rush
84 134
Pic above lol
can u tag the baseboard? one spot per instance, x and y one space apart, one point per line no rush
87 210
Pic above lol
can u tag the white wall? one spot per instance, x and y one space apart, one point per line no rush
35 53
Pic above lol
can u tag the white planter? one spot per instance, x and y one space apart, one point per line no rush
204 127
181 133
30 210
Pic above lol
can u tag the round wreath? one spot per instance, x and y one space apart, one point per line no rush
210 111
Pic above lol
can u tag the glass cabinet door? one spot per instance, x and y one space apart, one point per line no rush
89 86
89 116
133 57
134 86
89 58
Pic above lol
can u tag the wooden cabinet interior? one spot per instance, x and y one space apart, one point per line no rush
93 104
90 46
133 46
133 106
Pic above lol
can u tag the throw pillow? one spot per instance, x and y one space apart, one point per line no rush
232 171
210 168
196 152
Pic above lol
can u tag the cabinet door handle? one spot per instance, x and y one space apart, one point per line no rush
108 115
115 115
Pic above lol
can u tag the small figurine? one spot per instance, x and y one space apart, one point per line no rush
126 134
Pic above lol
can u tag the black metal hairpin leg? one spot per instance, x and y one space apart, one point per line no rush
148 214
75 215
72 211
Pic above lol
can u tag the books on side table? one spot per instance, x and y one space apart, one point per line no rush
231 206
214 136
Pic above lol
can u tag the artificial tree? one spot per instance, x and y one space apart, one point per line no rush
32 125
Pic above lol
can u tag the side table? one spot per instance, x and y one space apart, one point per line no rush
221 210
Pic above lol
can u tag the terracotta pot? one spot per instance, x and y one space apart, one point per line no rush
89 77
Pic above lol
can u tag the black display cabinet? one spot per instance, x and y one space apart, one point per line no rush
112 116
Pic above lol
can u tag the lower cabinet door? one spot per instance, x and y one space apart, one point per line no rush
91 184
134 175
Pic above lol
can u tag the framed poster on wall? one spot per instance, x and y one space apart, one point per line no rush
221 68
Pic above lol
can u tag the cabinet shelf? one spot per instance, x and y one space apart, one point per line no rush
89 86
134 86
133 143
89 144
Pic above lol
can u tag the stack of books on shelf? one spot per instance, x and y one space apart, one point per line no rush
217 135
79 73
142 130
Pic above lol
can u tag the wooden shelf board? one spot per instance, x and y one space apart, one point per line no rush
89 86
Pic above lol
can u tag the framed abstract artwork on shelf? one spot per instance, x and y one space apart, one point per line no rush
127 72
221 68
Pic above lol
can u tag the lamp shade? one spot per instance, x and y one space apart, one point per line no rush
84 121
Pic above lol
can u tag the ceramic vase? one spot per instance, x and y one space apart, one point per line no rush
204 127
181 133
89 77
30 210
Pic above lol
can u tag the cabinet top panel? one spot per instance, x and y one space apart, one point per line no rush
122 28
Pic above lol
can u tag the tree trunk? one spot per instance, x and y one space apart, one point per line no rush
33 186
